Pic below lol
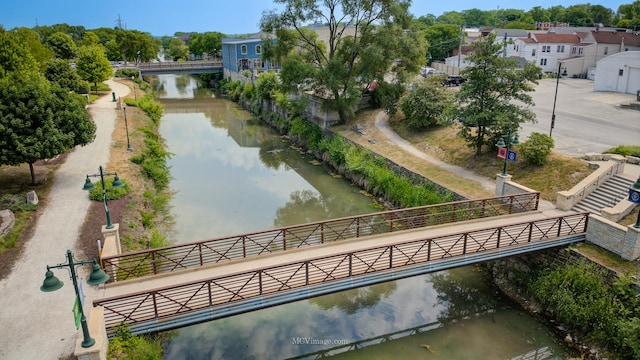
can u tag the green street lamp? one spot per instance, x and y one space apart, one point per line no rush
97 277
634 197
502 144
117 183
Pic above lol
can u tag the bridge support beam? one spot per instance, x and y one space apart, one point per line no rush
97 329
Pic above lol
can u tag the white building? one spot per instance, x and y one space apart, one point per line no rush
619 72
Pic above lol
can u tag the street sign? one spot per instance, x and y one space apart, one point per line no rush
502 153
634 196
511 156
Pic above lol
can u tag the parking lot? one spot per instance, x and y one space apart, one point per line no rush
586 121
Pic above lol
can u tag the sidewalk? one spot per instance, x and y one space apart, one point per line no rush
38 325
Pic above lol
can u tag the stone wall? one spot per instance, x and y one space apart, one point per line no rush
621 240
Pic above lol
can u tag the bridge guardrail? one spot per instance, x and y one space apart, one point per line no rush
167 303
179 257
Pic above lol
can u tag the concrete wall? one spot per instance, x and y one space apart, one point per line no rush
567 199
621 240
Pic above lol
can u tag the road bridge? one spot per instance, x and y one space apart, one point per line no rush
182 298
177 67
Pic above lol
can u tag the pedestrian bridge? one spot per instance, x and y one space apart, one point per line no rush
187 295
178 67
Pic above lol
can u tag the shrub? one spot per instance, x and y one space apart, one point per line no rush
625 150
128 346
537 148
112 193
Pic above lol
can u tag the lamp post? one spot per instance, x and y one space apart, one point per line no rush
117 183
634 197
502 144
97 277
126 127
555 98
135 95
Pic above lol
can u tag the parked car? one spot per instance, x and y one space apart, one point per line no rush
453 80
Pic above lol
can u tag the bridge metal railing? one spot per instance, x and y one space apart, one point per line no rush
179 257
214 293
178 65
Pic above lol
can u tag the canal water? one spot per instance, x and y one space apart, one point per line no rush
234 175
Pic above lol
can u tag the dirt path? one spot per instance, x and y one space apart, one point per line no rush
38 325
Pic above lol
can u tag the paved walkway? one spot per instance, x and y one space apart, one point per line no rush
38 325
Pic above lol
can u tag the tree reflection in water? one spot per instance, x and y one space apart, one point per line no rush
351 301
463 295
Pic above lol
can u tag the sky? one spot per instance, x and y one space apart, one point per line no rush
165 17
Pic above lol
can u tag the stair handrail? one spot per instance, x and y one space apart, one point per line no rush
568 199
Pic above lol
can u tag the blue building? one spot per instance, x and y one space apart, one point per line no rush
242 55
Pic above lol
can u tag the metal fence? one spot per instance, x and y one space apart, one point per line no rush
339 271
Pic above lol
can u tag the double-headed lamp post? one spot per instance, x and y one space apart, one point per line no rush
117 183
502 144
97 277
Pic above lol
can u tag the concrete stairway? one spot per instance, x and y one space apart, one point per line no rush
608 194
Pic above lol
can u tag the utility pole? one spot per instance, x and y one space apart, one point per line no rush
460 46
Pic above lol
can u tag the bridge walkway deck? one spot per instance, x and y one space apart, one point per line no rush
239 266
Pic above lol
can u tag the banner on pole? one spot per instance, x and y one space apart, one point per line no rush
77 312
502 153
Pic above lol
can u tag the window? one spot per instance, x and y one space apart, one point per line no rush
543 62
620 72
573 50
258 49
533 52
546 48
580 51
606 50
560 48
243 49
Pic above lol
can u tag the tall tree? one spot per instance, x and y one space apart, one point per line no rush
36 48
62 45
14 54
442 39
208 43
366 39
178 50
39 121
495 97
92 64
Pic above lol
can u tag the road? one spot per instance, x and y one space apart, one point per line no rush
586 121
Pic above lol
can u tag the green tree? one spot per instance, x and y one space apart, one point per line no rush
135 45
92 64
427 104
366 40
32 40
14 54
267 86
178 50
451 18
442 39
61 72
39 120
62 45
495 97
208 43
90 38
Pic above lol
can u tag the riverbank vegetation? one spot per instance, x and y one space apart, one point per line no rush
597 310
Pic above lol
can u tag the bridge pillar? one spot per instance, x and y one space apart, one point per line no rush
115 232
501 180
98 332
